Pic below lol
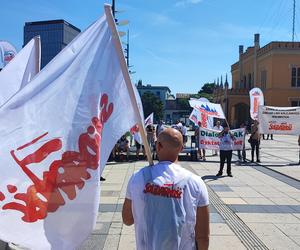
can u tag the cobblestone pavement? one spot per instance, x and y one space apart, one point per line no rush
259 208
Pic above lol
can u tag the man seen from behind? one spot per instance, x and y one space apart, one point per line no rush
167 204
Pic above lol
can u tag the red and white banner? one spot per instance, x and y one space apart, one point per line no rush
56 136
209 139
21 70
149 120
206 121
279 120
208 108
256 100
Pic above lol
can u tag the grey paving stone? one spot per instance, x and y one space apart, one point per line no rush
284 209
110 193
216 218
212 209
107 207
220 188
94 242
102 228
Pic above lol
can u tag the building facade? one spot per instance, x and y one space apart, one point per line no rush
55 36
274 68
162 92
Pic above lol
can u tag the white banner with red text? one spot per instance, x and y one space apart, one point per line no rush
209 139
279 120
56 136
256 100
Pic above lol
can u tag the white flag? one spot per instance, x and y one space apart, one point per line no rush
7 53
256 100
135 129
208 108
149 120
21 70
51 134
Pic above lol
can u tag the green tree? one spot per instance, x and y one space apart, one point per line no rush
151 103
207 88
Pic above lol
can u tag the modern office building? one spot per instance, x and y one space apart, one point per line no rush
55 35
274 68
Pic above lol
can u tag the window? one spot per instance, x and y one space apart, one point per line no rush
249 81
295 80
263 79
295 103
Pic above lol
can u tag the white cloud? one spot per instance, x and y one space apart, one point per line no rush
183 3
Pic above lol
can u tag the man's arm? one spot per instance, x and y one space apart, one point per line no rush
127 213
202 228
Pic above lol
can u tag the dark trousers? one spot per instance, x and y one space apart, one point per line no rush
225 155
242 155
255 147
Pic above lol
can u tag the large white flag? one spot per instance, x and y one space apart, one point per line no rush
21 70
256 100
51 134
208 108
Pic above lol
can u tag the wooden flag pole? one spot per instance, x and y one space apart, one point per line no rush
124 68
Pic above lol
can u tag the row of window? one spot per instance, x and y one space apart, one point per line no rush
248 80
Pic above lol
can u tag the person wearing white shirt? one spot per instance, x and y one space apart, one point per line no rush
167 204
226 144
217 127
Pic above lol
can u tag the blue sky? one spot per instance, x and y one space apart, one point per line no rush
178 43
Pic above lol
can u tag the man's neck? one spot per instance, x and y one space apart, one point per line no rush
168 159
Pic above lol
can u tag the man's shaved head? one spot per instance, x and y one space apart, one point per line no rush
171 137
170 143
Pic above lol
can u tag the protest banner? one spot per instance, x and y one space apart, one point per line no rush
21 70
208 108
51 133
206 121
256 100
149 120
279 120
209 139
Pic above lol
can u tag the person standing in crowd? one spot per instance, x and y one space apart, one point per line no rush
242 155
159 128
184 134
217 127
123 146
201 152
226 144
255 141
167 204
150 129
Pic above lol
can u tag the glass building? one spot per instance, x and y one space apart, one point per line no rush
55 35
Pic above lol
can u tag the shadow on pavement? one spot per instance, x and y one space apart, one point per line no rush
212 177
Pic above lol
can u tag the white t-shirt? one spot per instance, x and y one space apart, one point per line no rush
164 173
218 128
226 142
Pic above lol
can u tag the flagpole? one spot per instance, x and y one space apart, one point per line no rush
37 40
124 68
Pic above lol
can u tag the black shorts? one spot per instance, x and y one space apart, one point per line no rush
138 146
